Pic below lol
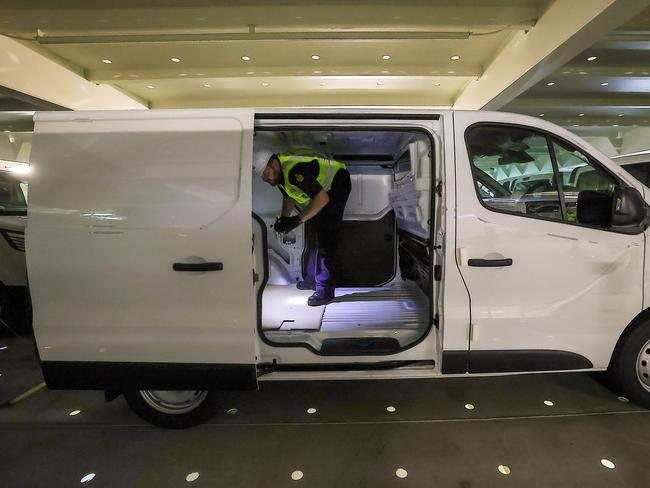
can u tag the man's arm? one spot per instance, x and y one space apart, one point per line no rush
315 206
287 205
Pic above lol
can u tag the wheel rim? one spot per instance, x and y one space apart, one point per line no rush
174 402
643 366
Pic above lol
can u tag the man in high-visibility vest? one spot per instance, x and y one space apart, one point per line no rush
320 186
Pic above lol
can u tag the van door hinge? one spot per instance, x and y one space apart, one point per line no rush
439 188
437 272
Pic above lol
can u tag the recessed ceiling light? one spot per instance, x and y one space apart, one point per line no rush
207 85
245 58
250 72
380 82
134 76
107 61
542 115
386 57
437 83
582 72
151 87
175 60
384 71
315 57
317 71
581 115
592 58
550 83
604 83
451 72
455 57
182 74
265 83
629 72
621 115
322 83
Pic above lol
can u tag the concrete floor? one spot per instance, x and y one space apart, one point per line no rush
351 439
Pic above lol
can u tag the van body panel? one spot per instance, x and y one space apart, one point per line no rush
117 198
570 288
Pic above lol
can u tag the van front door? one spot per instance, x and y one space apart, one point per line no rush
551 286
140 241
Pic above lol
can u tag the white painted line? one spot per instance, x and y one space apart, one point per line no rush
26 394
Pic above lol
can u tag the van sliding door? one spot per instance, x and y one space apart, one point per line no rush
138 232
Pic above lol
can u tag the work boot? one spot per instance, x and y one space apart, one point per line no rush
303 285
320 298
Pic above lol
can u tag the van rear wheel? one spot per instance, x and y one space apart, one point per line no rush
632 366
174 409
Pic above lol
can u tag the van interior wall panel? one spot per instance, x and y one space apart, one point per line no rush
415 261
366 251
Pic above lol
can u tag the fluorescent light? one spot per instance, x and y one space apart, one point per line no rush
455 57
107 61
245 58
175 60
315 57
386 57
592 58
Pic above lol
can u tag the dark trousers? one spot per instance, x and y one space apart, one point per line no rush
322 262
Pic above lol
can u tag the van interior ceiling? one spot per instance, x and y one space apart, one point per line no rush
382 302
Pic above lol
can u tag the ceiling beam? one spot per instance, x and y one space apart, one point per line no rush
566 29
27 69
115 75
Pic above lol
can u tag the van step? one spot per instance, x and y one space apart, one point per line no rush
360 345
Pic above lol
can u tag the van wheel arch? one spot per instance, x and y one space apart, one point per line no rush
642 318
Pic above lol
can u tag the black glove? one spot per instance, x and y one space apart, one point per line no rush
286 224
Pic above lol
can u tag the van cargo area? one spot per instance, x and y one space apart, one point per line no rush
381 303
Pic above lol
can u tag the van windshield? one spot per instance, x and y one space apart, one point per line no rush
13 195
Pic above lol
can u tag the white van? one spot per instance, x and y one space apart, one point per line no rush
155 271
14 294
637 164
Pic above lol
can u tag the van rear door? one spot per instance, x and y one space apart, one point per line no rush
139 249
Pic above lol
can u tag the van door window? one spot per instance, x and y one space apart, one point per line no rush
513 171
581 180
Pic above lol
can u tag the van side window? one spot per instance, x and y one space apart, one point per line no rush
582 179
513 171
641 171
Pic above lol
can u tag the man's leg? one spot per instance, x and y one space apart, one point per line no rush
311 263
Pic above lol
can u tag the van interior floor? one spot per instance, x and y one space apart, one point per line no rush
378 319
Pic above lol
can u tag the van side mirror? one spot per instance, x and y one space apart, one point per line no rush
629 211
623 210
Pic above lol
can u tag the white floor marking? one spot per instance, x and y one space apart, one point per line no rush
74 412
503 469
297 475
311 410
548 403
469 406
623 399
607 463
401 473
87 478
232 411
192 477
391 409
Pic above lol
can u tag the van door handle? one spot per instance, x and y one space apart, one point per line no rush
197 266
489 263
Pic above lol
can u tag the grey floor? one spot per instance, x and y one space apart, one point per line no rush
351 439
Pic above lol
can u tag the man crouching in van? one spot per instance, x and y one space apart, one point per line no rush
321 187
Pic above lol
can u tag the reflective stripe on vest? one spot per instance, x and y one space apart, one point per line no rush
326 173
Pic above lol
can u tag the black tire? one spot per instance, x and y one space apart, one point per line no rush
633 351
203 411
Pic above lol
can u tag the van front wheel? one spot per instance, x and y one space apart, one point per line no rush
632 367
171 408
